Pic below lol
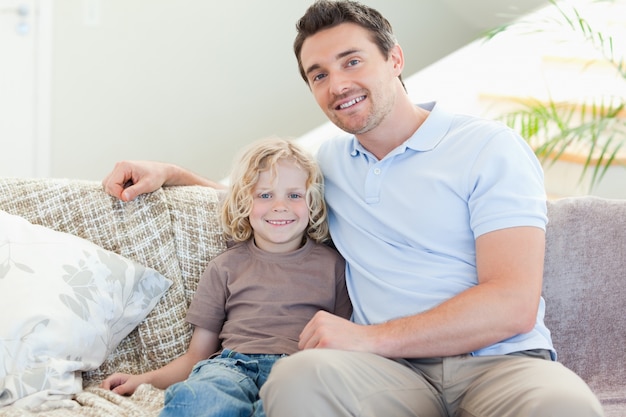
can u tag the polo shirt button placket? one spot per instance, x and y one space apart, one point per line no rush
372 185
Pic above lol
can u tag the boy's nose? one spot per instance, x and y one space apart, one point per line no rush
279 205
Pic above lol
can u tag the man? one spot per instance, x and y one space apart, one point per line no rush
441 219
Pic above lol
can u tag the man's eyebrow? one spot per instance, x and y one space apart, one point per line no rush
337 57
312 68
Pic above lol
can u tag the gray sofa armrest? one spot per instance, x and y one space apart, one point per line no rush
585 292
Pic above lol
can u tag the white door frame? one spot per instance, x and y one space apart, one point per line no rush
25 128
43 88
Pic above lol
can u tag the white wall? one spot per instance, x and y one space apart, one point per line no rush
190 82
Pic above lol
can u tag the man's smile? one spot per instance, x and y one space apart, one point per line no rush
350 103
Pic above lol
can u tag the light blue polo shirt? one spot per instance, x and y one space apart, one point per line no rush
407 224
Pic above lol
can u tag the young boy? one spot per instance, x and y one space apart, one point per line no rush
254 299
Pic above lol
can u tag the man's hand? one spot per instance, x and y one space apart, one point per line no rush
131 178
326 330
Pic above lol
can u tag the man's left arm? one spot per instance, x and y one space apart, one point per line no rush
503 304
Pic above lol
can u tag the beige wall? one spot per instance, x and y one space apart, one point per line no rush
191 81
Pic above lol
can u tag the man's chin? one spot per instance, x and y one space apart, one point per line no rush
355 130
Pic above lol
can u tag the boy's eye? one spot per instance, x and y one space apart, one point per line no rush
294 196
264 195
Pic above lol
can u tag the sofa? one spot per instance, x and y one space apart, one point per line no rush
175 231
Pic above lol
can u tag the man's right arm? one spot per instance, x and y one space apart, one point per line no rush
128 179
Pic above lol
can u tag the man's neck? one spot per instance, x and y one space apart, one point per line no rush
399 126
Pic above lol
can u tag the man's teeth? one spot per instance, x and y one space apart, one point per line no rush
351 103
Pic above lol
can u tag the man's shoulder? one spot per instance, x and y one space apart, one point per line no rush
340 141
333 148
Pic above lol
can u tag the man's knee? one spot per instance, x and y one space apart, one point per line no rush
567 400
302 383
299 370
566 394
531 387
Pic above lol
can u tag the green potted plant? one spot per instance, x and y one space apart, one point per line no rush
594 126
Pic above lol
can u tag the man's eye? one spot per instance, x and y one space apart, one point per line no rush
353 62
318 77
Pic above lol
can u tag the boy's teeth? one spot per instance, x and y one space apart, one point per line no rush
278 222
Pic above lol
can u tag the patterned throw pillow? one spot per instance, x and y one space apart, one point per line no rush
66 304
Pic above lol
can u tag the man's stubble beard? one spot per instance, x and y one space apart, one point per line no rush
373 119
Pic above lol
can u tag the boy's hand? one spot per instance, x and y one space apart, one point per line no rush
122 384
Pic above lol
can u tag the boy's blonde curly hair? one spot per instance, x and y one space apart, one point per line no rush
264 155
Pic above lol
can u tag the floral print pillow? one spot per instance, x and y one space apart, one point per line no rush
66 305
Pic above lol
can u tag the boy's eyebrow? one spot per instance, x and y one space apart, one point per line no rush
296 189
337 57
260 189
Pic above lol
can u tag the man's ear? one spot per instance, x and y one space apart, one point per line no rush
396 57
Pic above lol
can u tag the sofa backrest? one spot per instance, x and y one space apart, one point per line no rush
585 288
176 231
173 230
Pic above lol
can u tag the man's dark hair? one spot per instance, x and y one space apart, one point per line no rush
326 14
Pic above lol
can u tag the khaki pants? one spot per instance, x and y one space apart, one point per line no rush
328 383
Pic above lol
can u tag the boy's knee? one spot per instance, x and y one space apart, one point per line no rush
180 393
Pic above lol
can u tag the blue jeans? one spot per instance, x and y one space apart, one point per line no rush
224 386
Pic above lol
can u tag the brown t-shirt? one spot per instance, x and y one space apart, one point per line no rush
259 302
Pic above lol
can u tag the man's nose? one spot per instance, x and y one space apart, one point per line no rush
339 83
